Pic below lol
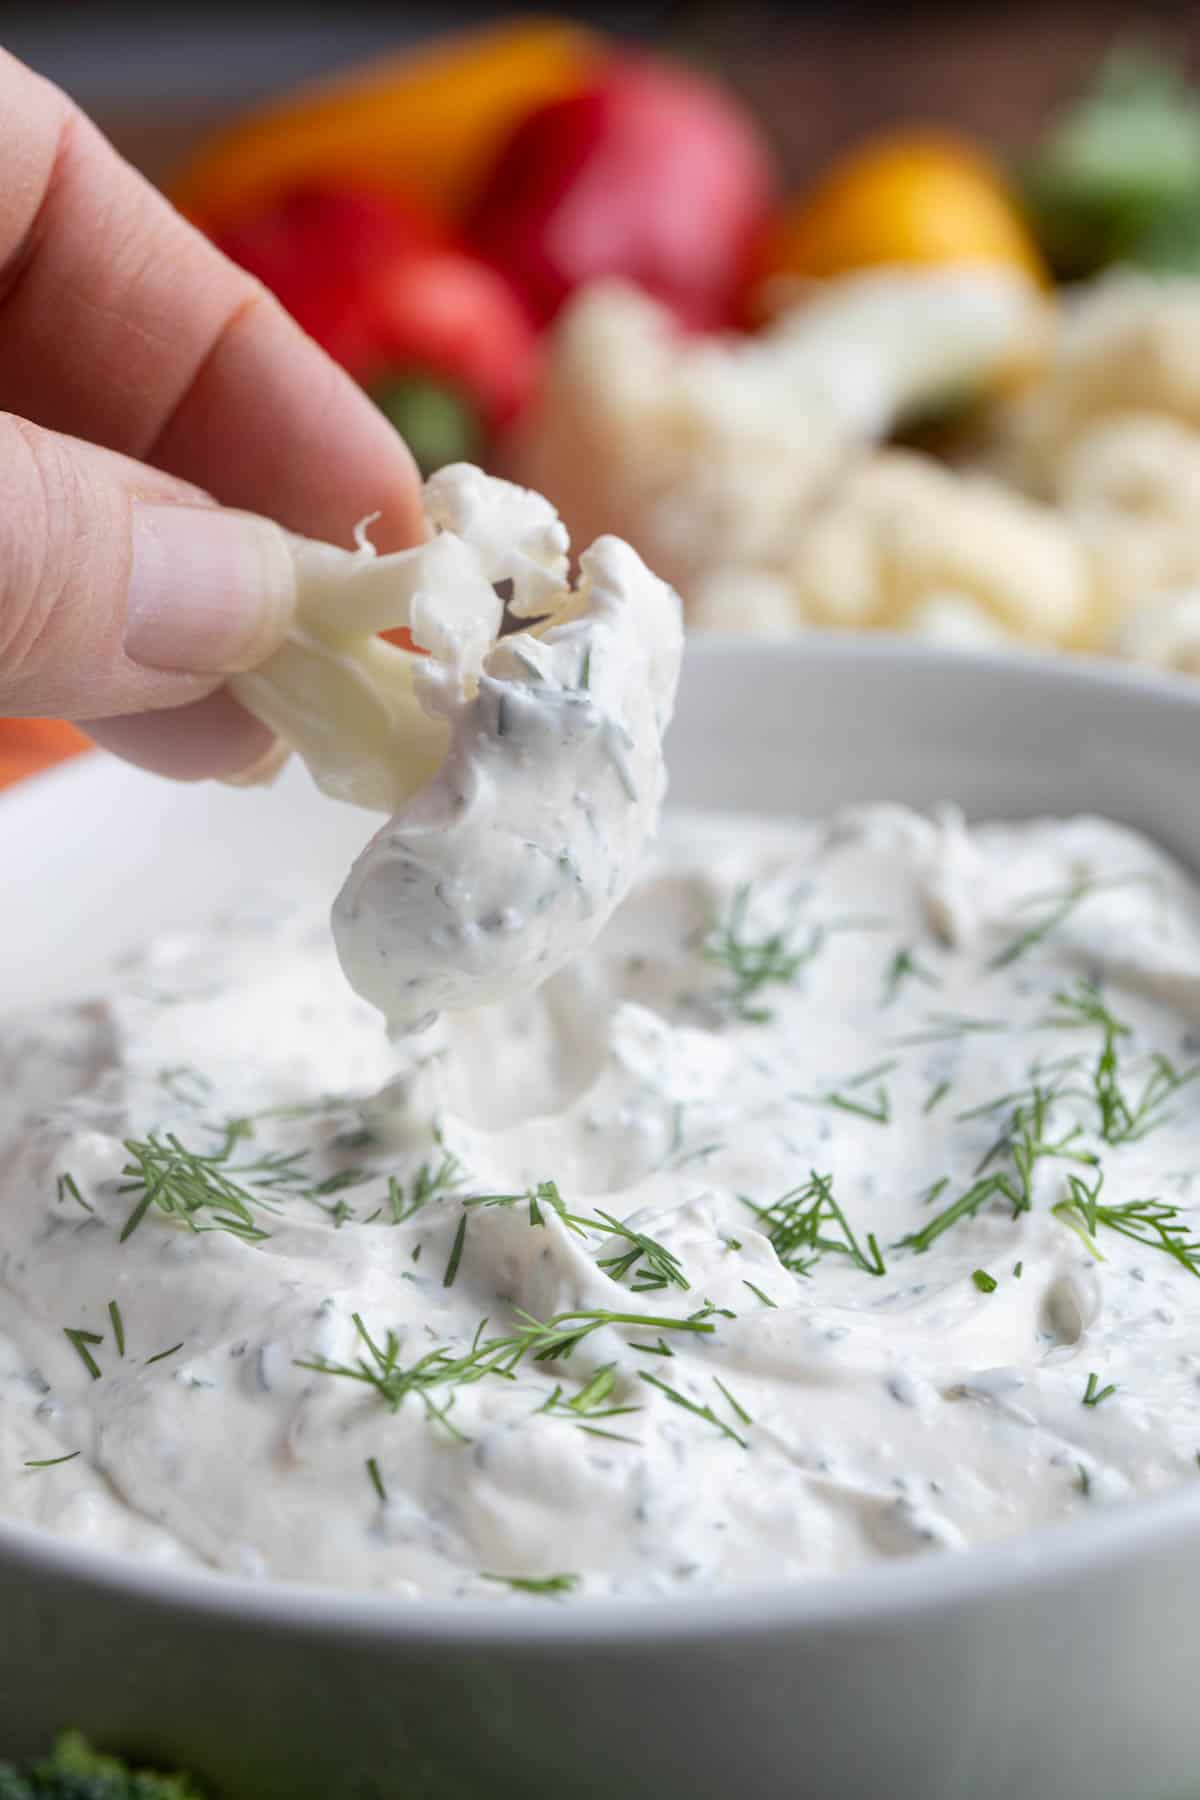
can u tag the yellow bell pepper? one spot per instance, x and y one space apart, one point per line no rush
904 197
428 124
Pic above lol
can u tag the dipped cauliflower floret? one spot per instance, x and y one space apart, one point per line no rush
709 451
903 532
525 773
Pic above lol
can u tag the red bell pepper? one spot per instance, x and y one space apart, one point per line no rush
651 173
432 332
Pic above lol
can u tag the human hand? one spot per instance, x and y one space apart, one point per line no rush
148 386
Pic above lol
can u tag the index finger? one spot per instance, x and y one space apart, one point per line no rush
121 324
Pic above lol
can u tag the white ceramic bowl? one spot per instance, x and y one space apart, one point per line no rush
1063 1665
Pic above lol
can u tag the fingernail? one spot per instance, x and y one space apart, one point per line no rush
211 592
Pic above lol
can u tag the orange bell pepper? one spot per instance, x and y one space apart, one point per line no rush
28 745
904 197
427 124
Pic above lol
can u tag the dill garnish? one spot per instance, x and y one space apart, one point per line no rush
456 1250
754 963
701 1412
68 1186
542 1340
376 1479
1061 905
1026 1143
944 1027
1155 1223
798 1225
1093 1394
161 1355
936 1096
537 1584
655 1266
118 1325
759 1295
192 1185
588 1405
1124 1117
52 1462
79 1341
986 1283
905 967
429 1183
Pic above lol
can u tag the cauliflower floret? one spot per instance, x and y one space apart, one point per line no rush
1127 344
525 774
708 452
1131 488
745 601
1165 634
903 534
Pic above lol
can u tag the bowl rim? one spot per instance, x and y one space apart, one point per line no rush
905 1590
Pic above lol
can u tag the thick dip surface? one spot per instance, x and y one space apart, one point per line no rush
861 1154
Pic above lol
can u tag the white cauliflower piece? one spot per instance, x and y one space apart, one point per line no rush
903 535
707 452
1128 343
1165 634
525 774
1130 486
745 601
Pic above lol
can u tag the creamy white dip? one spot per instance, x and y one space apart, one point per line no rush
914 1380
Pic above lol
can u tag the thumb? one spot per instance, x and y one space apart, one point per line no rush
123 590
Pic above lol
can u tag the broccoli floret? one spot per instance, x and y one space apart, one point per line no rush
77 1772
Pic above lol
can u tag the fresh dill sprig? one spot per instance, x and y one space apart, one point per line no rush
1093 1394
754 963
1124 1116
79 1339
1061 904
161 1355
759 1295
191 1185
440 1369
1026 1142
544 1194
588 1405
456 1250
537 1584
654 1265
67 1187
945 1027
429 1183
903 967
118 1325
799 1223
936 1096
51 1462
1155 1223
701 1412
189 1086
376 1479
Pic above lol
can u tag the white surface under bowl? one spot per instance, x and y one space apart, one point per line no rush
1062 1665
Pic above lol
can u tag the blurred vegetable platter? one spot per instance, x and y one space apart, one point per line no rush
936 389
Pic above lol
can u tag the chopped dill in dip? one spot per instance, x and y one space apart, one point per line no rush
836 1204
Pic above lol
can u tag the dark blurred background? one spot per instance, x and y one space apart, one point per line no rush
818 76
